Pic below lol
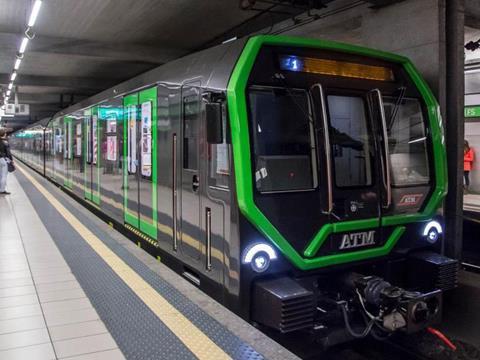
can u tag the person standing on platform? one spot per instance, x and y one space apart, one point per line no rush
5 159
468 158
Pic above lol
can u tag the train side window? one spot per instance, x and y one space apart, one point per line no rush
219 159
407 142
190 132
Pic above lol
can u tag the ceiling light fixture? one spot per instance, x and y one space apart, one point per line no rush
10 86
17 64
34 14
23 45
14 76
8 93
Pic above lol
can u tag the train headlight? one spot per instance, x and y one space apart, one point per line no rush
432 231
259 256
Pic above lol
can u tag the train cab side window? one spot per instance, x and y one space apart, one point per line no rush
190 132
218 159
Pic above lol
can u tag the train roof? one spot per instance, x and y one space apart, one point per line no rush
212 67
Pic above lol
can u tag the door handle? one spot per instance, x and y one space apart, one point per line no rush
195 183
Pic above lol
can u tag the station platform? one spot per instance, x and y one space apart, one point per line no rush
471 202
71 287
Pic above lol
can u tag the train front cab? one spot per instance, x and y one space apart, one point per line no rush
340 172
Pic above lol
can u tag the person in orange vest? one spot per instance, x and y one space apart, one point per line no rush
468 158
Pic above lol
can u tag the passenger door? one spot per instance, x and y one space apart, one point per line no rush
140 174
190 179
91 156
68 152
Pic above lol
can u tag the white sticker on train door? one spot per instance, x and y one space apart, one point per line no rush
146 138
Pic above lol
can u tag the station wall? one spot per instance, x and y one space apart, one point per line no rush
472 134
414 28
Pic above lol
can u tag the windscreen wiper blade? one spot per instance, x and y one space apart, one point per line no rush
308 116
398 101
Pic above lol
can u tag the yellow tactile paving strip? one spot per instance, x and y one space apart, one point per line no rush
193 338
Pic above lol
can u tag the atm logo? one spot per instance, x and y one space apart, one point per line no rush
356 240
410 199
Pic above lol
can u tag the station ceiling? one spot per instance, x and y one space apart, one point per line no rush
83 47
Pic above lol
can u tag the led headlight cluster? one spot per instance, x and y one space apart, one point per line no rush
259 256
432 231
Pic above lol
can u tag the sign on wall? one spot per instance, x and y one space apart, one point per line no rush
472 111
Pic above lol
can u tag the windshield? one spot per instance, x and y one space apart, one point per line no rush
283 140
407 143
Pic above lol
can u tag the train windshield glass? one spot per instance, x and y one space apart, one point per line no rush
351 141
283 140
407 142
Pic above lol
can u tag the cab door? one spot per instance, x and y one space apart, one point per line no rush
191 185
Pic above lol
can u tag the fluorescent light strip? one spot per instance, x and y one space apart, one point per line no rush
34 14
23 45
14 76
8 93
10 86
17 64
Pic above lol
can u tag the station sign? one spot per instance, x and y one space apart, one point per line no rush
472 111
17 109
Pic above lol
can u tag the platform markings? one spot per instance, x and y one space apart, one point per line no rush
193 338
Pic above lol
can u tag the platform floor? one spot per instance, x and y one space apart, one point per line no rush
71 287
471 202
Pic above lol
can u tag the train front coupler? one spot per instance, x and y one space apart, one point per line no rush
387 308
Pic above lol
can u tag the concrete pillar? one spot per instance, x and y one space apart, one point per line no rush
455 131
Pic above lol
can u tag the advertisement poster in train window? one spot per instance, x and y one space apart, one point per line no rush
89 145
70 140
146 138
132 140
112 148
95 142
112 125
78 143
65 142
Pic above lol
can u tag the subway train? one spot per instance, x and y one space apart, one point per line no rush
299 182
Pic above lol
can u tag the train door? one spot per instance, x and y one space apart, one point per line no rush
58 151
353 163
190 184
91 157
140 172
67 152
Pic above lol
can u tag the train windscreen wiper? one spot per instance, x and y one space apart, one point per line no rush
398 101
308 116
